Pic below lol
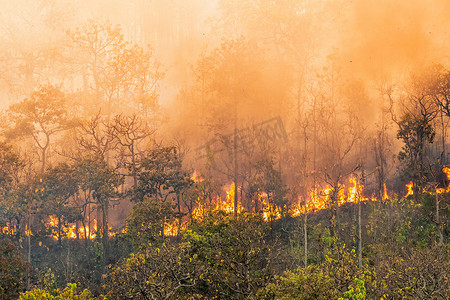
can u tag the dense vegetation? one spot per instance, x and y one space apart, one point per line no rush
302 155
224 257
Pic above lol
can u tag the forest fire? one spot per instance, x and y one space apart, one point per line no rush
171 229
410 189
196 177
321 200
385 194
354 192
84 231
9 229
70 230
270 212
198 212
317 203
227 205
446 170
318 200
225 149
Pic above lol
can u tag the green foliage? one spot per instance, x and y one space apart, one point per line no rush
341 265
54 190
415 274
47 280
236 253
68 293
10 166
165 272
160 173
145 224
308 284
94 176
415 131
13 270
355 293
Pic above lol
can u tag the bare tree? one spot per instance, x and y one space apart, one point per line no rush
129 132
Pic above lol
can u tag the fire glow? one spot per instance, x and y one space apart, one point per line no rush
70 230
318 200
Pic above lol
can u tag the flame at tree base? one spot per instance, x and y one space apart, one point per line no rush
318 200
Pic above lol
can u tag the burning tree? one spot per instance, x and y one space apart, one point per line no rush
99 183
56 188
161 181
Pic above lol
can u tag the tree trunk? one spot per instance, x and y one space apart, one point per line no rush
179 215
305 234
443 154
438 222
133 162
359 233
235 172
59 230
44 154
105 237
28 234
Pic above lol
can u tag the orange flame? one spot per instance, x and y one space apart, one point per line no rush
385 195
410 189
84 232
9 229
199 212
70 230
28 231
227 205
440 190
196 177
315 203
354 191
171 229
318 200
446 170
270 212
318 203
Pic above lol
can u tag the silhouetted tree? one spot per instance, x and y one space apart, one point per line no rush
41 117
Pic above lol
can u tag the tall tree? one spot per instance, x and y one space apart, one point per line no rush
41 117
415 128
161 177
28 59
11 165
57 186
114 70
101 183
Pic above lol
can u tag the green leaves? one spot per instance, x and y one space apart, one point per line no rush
146 220
165 272
13 270
160 173
309 283
355 293
234 252
68 293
